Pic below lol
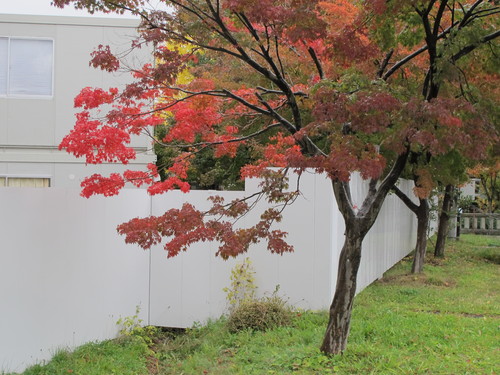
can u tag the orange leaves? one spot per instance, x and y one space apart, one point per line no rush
344 12
490 169
192 118
424 183
348 34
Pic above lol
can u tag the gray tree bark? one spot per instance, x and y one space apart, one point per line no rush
422 227
444 221
357 224
337 331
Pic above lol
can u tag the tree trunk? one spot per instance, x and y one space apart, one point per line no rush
422 213
357 224
337 332
444 221
422 225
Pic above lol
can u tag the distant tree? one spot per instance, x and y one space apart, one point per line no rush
489 175
428 172
330 85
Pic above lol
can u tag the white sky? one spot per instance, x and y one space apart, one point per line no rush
43 7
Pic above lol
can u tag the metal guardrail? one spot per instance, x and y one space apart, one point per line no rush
480 223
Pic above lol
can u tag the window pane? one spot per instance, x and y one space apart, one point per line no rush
29 182
2 181
30 67
4 43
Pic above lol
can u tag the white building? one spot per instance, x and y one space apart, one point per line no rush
44 63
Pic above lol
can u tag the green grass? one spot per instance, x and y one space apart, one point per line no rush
122 356
444 321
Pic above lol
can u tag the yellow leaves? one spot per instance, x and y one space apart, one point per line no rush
184 77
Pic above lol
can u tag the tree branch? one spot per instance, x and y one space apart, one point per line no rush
468 49
313 55
209 144
406 200
384 63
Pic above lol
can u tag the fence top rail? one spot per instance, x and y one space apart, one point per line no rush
492 215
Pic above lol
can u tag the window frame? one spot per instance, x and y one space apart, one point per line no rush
29 96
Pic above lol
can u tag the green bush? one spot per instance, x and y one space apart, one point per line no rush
260 315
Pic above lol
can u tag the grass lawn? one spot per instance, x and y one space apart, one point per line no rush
444 321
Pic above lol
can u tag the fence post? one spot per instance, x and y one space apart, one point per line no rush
466 223
483 223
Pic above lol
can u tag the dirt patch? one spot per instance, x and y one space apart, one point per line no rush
153 365
435 281
464 314
436 261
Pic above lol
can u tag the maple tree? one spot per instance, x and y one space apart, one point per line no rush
428 172
330 85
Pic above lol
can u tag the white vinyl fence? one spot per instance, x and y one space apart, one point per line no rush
66 277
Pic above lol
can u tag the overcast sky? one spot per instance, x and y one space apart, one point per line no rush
43 7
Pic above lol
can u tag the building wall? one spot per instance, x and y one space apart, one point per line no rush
32 128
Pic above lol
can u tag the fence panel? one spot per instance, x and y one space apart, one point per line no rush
66 277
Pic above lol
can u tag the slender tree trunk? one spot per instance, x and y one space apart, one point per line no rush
444 221
422 213
337 331
357 224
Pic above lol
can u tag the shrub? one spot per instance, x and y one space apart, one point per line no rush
260 314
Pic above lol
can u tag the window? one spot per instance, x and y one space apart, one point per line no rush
37 182
26 66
